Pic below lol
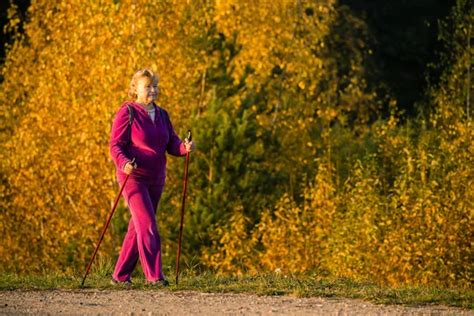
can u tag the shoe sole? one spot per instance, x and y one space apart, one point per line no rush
125 283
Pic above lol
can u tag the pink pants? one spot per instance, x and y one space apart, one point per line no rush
142 240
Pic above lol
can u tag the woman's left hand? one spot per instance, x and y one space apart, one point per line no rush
190 146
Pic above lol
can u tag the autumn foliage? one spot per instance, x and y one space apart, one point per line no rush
300 165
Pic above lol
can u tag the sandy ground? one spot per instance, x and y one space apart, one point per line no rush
162 302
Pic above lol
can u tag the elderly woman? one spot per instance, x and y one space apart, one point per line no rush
146 140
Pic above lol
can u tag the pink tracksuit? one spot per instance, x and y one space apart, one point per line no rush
148 144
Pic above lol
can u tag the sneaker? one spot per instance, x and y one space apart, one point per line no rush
160 283
115 282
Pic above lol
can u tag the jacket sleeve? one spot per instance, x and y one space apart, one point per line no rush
175 145
119 138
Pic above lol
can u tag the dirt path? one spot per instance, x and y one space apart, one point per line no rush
156 302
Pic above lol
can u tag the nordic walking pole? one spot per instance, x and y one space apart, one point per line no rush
106 226
185 186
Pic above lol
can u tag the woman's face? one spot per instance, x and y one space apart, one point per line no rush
147 90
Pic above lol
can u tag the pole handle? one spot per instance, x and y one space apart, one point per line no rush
189 136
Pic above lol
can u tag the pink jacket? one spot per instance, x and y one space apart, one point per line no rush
148 144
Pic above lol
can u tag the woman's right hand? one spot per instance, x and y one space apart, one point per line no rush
129 167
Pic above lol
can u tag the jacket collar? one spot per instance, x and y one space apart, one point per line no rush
139 107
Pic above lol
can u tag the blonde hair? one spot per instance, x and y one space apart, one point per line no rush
143 73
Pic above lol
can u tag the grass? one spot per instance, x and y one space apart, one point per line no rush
265 284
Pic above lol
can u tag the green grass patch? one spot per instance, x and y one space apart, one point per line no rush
265 284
